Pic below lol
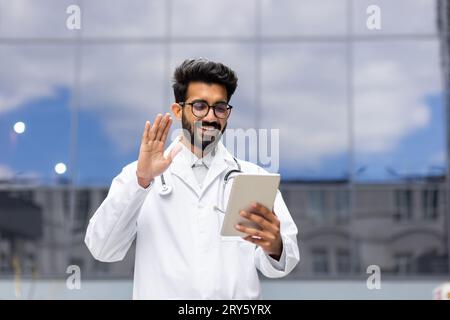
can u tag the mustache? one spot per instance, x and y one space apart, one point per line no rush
214 124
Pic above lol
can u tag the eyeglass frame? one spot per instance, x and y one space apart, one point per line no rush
184 103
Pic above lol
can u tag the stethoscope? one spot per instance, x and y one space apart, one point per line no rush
166 189
226 179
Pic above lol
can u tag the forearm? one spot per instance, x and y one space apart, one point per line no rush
113 227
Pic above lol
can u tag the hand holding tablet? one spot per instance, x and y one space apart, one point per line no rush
247 189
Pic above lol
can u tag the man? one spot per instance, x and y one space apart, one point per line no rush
167 201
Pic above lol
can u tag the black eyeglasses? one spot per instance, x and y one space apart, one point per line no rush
201 108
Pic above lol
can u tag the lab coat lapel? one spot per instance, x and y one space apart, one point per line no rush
181 168
218 165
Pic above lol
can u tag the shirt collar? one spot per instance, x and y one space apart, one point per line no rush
193 160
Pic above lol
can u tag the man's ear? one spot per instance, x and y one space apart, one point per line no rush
176 110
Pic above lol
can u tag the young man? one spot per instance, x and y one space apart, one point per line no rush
166 201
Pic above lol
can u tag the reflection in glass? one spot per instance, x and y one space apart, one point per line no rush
115 103
303 94
303 17
397 17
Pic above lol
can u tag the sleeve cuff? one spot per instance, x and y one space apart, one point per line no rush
138 186
281 264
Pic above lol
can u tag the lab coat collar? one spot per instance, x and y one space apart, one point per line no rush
181 166
221 162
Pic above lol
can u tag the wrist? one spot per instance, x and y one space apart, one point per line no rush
275 256
144 182
279 252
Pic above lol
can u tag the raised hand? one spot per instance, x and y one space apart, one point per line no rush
151 161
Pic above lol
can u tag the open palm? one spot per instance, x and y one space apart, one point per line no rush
151 161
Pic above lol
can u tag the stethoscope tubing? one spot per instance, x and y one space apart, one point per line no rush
166 189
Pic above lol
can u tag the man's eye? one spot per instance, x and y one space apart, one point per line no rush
199 105
221 107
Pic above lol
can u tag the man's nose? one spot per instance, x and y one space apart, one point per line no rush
210 116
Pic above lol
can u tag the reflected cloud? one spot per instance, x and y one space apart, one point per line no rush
303 84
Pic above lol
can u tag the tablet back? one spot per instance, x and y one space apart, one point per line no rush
248 188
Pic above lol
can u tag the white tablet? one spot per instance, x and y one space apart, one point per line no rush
248 188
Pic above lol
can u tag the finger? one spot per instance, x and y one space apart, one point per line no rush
261 221
262 210
166 130
146 131
162 127
256 233
155 127
259 242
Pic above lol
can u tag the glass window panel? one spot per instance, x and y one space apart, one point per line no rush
397 16
213 18
403 263
121 88
317 206
403 204
343 261
430 203
342 201
35 90
398 114
120 18
303 17
320 261
34 19
303 95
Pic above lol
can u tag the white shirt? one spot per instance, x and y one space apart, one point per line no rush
179 251
200 166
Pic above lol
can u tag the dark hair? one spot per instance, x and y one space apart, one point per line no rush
202 70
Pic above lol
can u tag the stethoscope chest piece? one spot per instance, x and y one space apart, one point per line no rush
165 190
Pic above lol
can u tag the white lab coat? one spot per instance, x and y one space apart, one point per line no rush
179 251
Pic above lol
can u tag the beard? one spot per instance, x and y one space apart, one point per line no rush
199 137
